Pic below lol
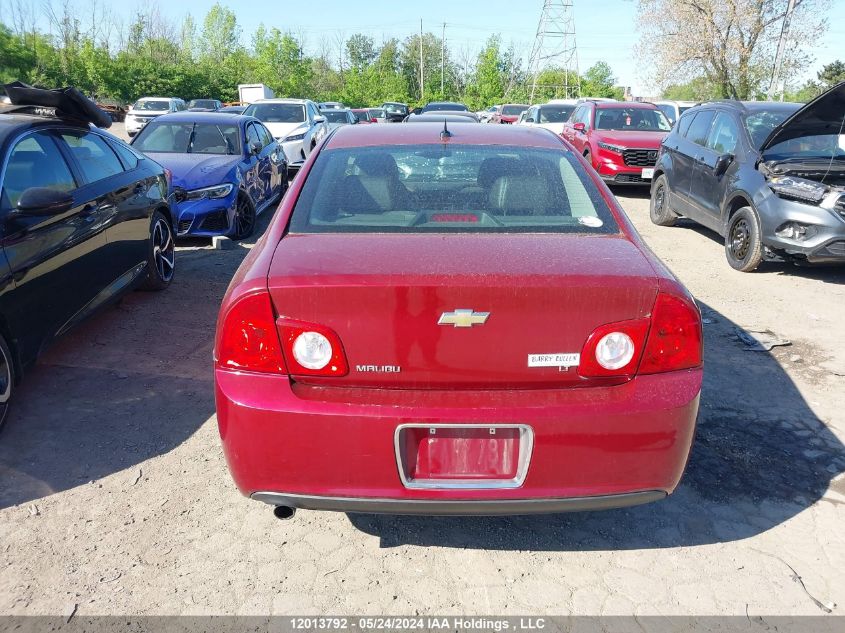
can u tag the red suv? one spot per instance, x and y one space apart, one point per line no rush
619 139
508 113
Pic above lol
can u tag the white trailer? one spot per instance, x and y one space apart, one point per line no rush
247 93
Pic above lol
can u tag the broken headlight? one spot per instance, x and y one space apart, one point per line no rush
798 188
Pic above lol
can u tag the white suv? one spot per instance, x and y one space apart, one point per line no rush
295 123
146 109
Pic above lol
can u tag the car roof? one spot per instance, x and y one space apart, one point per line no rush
639 105
204 117
280 100
749 107
429 134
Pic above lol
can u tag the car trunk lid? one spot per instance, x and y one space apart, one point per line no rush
396 303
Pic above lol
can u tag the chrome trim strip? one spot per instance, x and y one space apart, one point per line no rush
526 447
458 507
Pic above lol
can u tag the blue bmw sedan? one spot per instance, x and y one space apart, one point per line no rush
225 170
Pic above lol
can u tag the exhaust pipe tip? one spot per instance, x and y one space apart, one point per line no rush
284 513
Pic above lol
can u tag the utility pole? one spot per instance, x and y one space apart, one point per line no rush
442 61
776 71
555 46
422 71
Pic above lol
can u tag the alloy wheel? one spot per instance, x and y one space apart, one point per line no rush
164 250
5 378
244 218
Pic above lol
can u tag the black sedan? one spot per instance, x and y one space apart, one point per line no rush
84 217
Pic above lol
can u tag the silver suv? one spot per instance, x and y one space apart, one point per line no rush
146 109
297 124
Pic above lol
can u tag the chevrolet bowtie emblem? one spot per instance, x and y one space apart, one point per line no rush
463 318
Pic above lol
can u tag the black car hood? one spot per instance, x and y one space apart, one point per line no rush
823 115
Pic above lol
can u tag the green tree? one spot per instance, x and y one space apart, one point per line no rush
599 81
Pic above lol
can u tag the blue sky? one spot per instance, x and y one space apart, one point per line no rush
605 28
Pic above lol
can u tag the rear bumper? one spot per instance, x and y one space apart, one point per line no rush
333 448
459 508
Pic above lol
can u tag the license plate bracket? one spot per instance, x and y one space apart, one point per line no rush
463 456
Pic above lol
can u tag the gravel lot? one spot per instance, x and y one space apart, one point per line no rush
115 499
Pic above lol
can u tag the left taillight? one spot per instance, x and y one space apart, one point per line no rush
311 349
248 339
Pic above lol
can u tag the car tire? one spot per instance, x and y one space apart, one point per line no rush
7 381
659 210
743 241
244 218
161 256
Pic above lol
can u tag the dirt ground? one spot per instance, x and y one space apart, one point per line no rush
115 498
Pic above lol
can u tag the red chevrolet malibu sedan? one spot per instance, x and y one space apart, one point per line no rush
455 321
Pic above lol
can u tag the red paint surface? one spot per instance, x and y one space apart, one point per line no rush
382 295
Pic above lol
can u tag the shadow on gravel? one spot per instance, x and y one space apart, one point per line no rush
827 273
129 384
760 457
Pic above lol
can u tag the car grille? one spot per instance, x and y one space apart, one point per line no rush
840 206
217 221
837 249
630 178
640 157
184 226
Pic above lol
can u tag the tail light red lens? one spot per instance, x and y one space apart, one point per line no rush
248 338
670 340
591 360
311 349
675 340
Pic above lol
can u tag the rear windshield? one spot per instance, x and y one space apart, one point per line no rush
335 116
277 112
189 138
513 110
202 103
555 114
394 108
377 114
440 107
454 188
632 119
151 105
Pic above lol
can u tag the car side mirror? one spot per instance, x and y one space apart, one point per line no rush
722 163
579 127
255 147
319 120
40 201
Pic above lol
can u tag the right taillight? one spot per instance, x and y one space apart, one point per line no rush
675 338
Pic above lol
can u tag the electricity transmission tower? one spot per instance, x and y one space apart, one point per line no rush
554 48
776 71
